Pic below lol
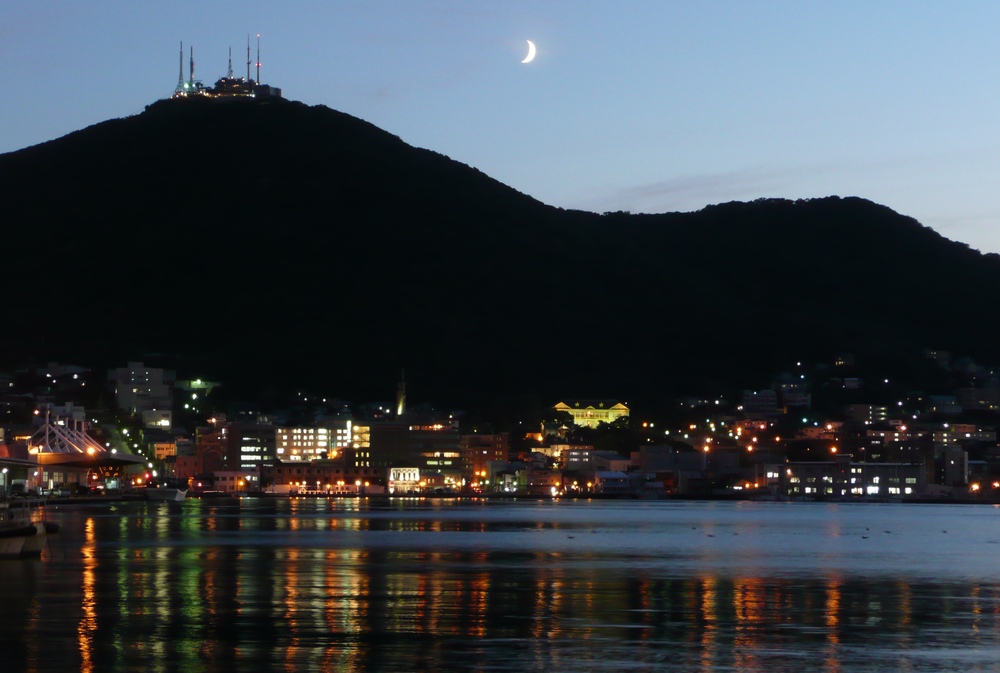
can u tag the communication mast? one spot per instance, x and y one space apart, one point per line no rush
227 86
180 72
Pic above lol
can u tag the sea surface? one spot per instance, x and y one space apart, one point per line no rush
357 585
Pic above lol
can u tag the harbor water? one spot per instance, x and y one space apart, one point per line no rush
359 585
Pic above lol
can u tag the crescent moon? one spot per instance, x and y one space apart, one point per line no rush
531 53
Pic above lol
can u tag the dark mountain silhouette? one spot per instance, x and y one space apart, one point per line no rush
275 244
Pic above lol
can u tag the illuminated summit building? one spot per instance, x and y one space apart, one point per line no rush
225 87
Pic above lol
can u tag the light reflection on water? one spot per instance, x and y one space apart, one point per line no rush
317 585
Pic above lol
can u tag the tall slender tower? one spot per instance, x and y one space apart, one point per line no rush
248 57
192 69
258 58
180 72
229 73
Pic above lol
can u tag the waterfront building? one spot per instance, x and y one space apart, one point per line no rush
611 482
253 445
305 444
544 482
610 461
843 478
67 460
680 471
248 445
404 480
439 449
322 477
209 455
227 481
430 446
478 452
511 479
954 467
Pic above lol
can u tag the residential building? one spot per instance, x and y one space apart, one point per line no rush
760 404
867 414
978 399
161 419
954 467
943 404
140 388
479 451
962 433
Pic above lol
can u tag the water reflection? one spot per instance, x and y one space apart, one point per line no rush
310 586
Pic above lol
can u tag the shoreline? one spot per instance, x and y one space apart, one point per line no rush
138 497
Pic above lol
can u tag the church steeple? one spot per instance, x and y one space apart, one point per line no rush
401 394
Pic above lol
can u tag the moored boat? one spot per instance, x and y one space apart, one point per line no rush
12 539
168 493
19 536
34 542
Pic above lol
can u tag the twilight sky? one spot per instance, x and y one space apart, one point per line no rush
648 106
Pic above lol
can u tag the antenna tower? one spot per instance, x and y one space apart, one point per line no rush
230 73
180 72
258 58
192 68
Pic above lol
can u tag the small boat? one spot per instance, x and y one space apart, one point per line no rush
166 493
19 535
12 539
34 543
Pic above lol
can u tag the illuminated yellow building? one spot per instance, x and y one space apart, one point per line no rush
590 413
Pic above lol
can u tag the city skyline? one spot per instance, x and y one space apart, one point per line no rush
659 107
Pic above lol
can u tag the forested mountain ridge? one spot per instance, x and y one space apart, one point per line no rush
278 244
